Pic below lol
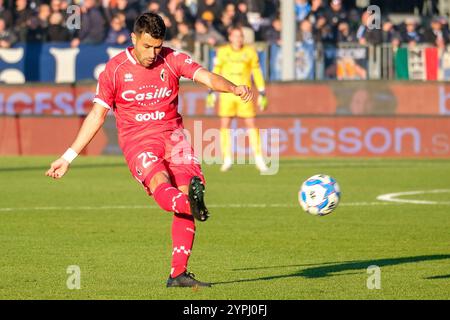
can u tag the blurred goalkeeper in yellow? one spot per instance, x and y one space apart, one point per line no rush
238 63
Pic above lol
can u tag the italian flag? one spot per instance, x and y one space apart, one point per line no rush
417 64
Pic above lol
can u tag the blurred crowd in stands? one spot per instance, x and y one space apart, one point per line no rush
207 21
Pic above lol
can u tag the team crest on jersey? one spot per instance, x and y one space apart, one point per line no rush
128 77
163 75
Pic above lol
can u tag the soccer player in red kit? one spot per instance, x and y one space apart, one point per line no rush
141 86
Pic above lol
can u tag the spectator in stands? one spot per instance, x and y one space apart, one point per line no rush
410 35
185 40
436 34
118 33
56 32
345 34
302 10
210 36
335 15
43 15
20 16
255 9
6 14
34 32
7 36
180 12
272 9
305 34
444 22
354 19
92 25
230 11
183 15
57 6
326 34
171 25
154 7
273 34
318 19
317 11
192 5
123 6
256 6
241 14
368 35
210 8
390 34
222 25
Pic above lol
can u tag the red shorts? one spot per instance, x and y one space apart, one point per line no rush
169 151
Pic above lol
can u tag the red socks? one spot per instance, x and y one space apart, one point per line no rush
183 225
171 199
183 232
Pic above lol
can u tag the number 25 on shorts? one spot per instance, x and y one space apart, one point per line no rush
147 159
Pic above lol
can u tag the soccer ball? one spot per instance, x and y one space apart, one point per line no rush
319 195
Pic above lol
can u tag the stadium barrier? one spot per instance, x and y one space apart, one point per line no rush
60 63
333 118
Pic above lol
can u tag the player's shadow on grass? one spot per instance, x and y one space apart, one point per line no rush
446 276
328 270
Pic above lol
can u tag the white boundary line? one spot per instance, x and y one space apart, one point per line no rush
392 197
383 200
152 207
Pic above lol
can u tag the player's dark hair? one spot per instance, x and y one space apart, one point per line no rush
150 23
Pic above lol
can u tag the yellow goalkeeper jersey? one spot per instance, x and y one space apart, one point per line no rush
238 66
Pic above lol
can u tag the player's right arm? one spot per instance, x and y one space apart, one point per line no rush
103 101
93 122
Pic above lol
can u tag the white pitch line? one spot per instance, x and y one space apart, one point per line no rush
152 207
393 197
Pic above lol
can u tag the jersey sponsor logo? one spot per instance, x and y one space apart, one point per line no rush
159 93
157 115
163 75
128 77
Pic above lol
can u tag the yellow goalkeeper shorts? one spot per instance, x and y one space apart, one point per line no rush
232 106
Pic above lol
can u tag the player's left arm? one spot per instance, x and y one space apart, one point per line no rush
186 67
218 83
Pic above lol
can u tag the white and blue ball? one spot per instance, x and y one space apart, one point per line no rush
319 195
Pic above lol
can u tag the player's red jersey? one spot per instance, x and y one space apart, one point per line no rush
144 100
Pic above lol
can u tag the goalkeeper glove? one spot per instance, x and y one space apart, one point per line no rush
211 100
262 101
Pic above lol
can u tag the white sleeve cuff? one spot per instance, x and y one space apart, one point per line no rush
102 103
195 73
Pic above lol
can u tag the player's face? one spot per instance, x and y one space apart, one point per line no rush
146 48
236 38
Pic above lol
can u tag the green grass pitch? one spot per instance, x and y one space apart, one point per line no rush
258 243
